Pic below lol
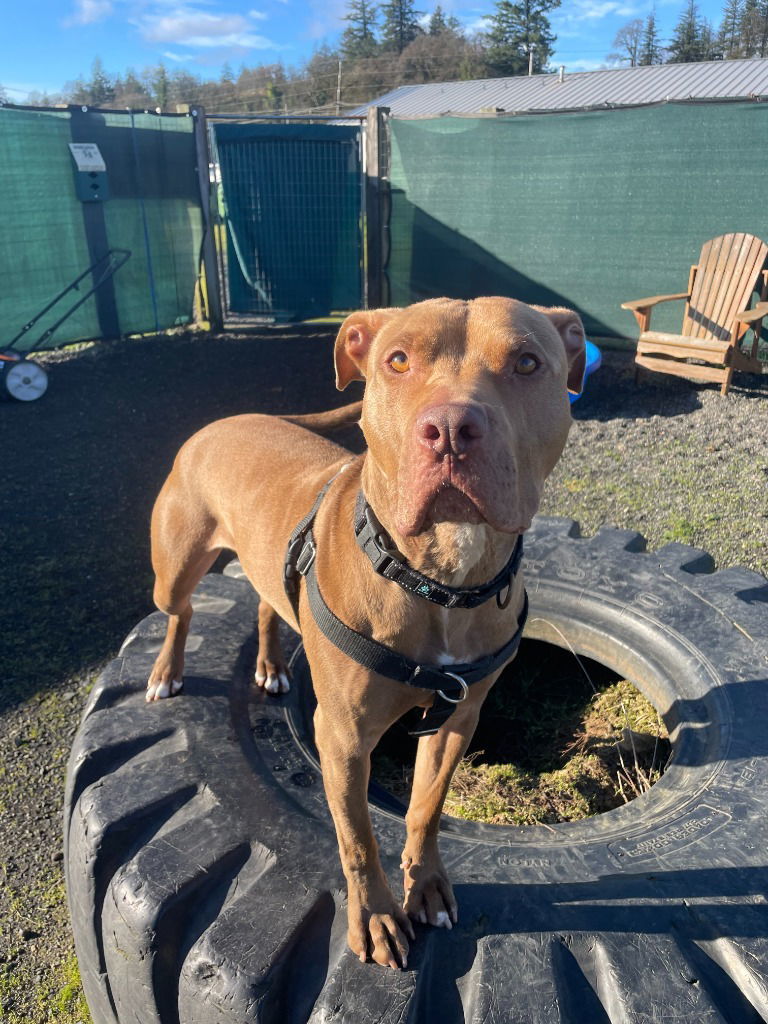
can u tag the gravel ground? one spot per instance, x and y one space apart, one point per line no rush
670 459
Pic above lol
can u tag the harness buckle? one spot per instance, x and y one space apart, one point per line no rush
379 558
306 555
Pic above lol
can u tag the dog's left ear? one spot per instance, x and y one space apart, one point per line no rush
568 325
353 342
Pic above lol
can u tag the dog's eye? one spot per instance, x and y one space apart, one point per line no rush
527 364
399 362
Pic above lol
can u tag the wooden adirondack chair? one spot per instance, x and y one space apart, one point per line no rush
720 287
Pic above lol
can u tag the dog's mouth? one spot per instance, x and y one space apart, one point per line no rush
450 505
463 498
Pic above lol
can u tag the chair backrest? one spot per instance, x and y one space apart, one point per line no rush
728 269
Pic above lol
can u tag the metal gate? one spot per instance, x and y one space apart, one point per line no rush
291 203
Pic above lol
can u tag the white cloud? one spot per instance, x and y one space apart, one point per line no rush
595 10
188 26
480 24
178 57
89 11
258 15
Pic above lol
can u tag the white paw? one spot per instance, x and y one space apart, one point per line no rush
443 920
273 685
159 691
275 682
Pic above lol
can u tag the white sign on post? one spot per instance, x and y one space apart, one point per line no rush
87 156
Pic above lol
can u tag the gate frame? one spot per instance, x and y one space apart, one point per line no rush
375 204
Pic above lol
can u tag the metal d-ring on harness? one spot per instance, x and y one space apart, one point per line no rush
451 685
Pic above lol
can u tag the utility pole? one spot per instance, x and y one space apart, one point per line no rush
530 60
338 90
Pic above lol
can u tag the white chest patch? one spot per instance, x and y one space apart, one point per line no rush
470 540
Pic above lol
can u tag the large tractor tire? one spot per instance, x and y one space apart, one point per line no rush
201 862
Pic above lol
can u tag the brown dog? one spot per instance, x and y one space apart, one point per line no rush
465 414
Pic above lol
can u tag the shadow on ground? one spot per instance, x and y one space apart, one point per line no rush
83 465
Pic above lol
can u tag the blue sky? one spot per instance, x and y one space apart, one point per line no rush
49 42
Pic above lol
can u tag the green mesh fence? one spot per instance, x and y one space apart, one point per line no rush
50 237
292 202
584 209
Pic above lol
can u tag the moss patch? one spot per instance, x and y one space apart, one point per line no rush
557 741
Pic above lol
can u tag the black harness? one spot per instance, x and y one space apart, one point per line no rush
451 684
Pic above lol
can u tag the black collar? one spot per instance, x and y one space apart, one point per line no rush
377 545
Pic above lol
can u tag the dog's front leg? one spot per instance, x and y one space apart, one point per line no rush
428 893
377 924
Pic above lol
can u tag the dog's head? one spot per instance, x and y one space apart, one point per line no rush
466 408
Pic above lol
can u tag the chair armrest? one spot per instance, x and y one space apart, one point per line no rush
653 300
749 316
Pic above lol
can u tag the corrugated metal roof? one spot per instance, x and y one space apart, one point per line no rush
707 80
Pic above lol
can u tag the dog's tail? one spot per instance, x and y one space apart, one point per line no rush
327 422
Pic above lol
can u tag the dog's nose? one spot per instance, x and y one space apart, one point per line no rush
451 429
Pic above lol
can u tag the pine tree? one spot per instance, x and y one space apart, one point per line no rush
359 39
517 30
440 22
753 29
159 86
101 87
728 37
650 47
761 12
692 40
401 25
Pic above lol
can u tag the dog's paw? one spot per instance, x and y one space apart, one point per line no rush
379 934
429 896
272 677
159 690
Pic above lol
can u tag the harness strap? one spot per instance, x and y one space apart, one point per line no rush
450 683
373 539
295 556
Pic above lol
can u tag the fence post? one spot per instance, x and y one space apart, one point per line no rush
210 261
375 205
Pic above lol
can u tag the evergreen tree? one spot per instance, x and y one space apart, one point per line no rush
728 37
650 47
692 40
359 39
101 88
159 86
753 29
440 22
761 11
130 91
517 30
401 25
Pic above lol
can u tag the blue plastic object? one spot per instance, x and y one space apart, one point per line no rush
594 359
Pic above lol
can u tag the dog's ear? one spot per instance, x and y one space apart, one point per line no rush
568 325
353 343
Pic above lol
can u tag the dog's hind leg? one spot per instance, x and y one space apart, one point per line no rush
182 553
271 667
